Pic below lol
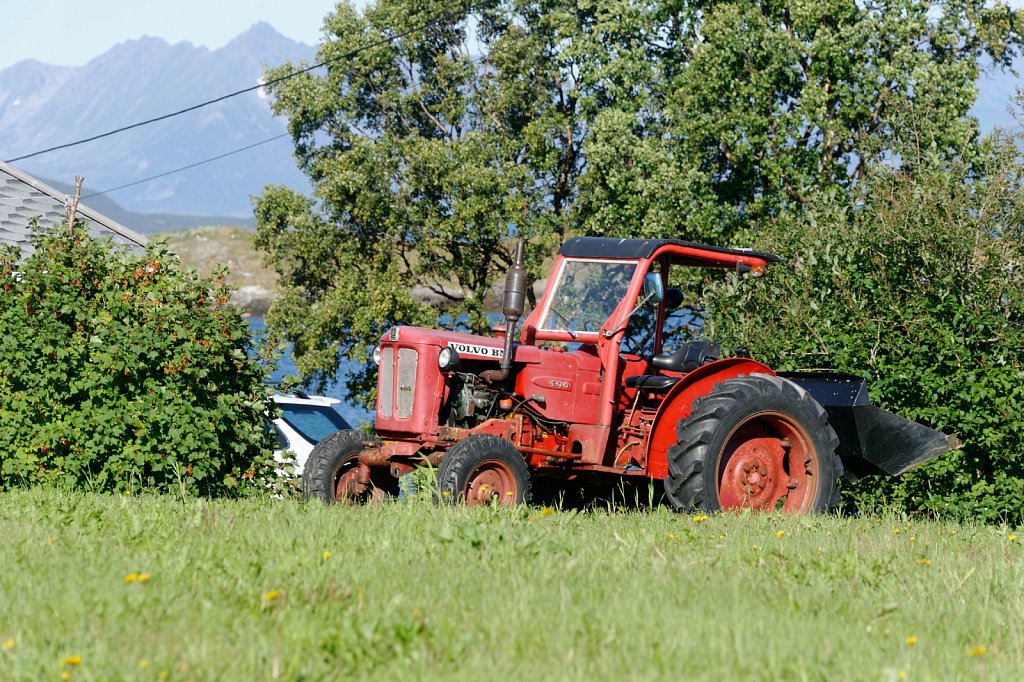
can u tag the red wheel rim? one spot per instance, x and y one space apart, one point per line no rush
352 483
768 463
489 482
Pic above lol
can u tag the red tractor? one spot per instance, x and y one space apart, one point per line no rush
584 397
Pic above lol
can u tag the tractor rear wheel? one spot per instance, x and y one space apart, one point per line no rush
758 442
484 469
333 472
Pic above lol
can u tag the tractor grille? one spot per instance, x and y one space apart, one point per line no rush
407 359
399 406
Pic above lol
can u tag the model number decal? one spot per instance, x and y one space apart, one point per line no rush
473 349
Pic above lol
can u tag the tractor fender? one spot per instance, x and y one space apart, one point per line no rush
678 404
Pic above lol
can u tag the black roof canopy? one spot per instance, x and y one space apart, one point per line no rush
610 247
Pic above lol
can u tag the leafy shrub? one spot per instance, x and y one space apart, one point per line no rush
123 373
919 285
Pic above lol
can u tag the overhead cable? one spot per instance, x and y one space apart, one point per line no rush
184 168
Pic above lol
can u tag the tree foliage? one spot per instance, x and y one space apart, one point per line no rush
125 373
540 119
920 287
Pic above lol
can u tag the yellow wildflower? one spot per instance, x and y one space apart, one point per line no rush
143 664
143 577
546 511
1012 538
911 641
700 517
131 578
52 539
780 533
163 675
671 536
925 562
272 595
73 660
327 554
977 650
65 675
912 538
9 644
902 674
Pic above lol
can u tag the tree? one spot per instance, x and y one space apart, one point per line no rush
919 285
435 135
125 373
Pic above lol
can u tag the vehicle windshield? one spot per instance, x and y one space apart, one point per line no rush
587 293
314 422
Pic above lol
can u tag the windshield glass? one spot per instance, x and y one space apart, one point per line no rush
587 293
314 422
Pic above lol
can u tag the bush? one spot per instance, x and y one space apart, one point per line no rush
919 285
125 373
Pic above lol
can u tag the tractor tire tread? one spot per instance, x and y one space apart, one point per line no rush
686 485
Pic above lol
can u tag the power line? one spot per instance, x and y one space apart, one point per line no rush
348 55
184 168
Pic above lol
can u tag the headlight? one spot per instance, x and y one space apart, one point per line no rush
447 359
376 355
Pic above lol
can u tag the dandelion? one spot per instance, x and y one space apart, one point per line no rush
546 511
131 578
143 577
73 660
895 531
163 675
902 674
1012 538
509 493
977 650
700 517
327 554
65 675
8 644
911 641
52 539
912 538
925 562
671 536
780 533
273 595
143 664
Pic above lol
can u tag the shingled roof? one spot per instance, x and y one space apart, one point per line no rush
23 198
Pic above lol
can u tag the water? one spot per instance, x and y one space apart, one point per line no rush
353 414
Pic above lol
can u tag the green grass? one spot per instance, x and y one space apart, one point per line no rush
245 590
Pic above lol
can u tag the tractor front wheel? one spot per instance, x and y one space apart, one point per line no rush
333 472
758 442
484 469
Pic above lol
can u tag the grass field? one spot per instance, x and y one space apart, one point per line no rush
146 588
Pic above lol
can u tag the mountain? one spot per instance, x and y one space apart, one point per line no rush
43 106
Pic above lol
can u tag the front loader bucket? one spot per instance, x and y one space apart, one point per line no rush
871 440
887 443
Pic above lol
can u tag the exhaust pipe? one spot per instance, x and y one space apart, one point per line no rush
513 304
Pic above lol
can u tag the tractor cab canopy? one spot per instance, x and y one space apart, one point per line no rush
596 281
677 252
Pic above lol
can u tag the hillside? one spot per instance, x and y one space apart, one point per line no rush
209 247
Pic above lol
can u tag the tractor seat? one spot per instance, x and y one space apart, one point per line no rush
688 357
684 359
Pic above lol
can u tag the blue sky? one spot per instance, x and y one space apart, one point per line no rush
71 32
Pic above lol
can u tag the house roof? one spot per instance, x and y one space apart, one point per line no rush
23 198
